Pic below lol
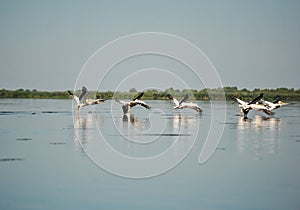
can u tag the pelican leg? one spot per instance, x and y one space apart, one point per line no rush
245 111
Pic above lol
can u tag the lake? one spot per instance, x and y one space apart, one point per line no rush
53 158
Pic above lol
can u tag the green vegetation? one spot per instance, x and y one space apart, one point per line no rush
21 93
204 94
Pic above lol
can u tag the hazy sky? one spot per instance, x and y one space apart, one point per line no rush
253 44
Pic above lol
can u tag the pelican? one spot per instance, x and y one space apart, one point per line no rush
273 105
182 104
126 106
82 101
247 106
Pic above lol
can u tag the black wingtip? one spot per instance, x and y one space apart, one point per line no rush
70 93
256 99
170 96
147 106
139 96
84 89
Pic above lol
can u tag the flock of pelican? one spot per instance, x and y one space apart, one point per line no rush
257 104
82 101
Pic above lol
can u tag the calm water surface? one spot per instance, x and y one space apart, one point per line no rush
43 164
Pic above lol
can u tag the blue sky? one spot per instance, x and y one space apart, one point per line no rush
252 44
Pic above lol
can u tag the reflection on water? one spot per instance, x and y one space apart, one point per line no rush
261 134
130 121
10 159
86 123
174 123
138 135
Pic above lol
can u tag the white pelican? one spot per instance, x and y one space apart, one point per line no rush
273 105
247 106
135 101
82 101
182 104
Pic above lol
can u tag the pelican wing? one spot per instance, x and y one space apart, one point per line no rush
76 99
138 97
100 100
174 99
84 93
256 99
185 98
138 102
191 106
94 101
119 101
144 105
239 101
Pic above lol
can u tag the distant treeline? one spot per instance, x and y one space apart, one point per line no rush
204 94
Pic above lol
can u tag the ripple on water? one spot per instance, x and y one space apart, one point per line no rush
24 139
10 159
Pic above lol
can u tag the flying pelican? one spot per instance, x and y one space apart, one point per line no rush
182 104
273 105
247 106
135 101
82 101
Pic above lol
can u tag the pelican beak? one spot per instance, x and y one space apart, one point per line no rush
282 103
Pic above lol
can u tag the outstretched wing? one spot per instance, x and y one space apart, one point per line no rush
84 93
174 99
256 99
142 103
185 98
276 102
138 102
138 97
94 101
76 99
192 105
100 100
241 102
119 101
